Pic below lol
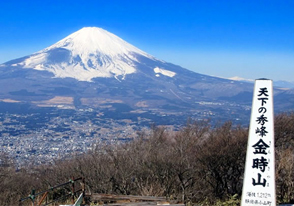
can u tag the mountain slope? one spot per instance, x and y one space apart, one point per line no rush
94 68
88 53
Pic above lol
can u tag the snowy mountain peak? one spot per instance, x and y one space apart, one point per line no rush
94 40
86 54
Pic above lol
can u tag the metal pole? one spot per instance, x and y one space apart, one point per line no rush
73 190
33 197
83 189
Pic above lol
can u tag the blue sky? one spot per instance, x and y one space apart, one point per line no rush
250 39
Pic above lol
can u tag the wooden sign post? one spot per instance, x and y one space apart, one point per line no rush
259 178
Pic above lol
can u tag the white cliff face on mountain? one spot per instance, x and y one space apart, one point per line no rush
86 54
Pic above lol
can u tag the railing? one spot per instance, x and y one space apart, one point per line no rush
37 199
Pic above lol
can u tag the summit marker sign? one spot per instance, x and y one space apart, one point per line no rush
259 178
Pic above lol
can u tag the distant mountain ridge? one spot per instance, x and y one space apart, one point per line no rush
94 68
279 83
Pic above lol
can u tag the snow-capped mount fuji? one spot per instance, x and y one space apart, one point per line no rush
86 54
94 68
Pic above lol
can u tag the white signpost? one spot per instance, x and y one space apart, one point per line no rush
259 186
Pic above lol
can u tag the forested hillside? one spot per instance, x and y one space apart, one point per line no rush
198 164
